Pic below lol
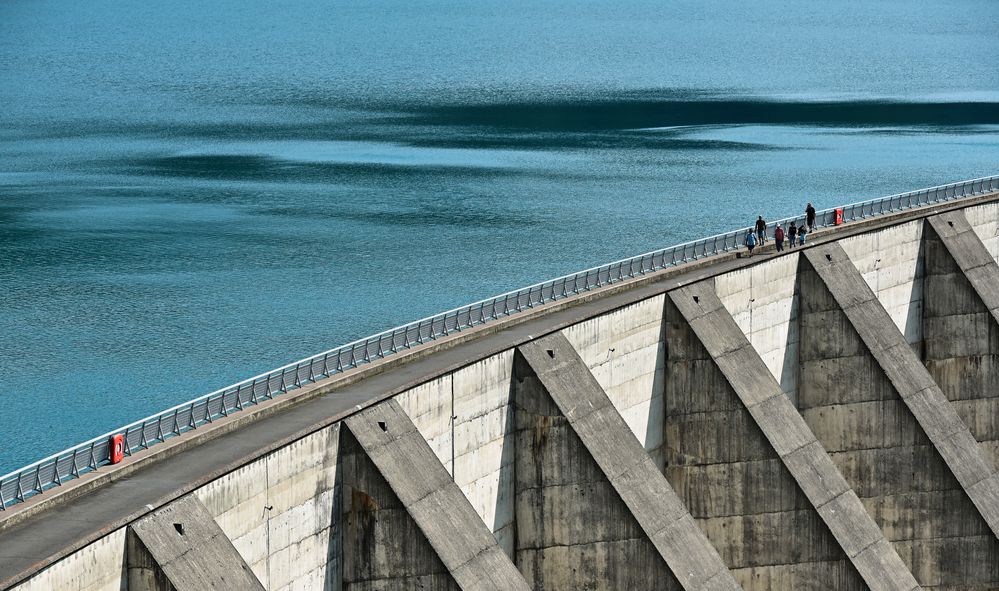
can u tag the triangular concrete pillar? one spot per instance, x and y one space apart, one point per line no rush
406 524
593 511
895 437
960 325
752 472
180 548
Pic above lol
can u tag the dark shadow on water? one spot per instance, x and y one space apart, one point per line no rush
444 215
645 113
263 168
501 123
617 140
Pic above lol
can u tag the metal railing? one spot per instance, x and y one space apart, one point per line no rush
90 455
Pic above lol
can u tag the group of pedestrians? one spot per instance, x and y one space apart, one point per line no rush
757 235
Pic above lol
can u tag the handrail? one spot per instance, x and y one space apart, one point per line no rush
90 455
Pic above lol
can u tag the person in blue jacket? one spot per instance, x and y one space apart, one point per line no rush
750 241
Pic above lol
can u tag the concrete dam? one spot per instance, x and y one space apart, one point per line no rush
822 418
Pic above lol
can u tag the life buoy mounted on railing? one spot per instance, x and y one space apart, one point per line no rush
838 219
117 448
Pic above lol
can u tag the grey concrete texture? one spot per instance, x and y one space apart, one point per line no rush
789 437
622 460
181 545
902 367
424 489
143 573
967 250
962 333
383 547
895 463
573 530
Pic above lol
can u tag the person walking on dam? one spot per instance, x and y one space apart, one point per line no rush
801 236
810 217
761 230
750 241
779 237
792 234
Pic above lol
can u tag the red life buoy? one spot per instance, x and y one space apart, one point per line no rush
117 448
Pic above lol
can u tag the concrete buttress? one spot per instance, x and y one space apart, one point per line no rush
960 325
555 369
762 486
180 547
408 523
890 429
572 529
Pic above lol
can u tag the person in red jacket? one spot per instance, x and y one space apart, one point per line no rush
779 237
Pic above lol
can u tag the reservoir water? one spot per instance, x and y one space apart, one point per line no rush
192 193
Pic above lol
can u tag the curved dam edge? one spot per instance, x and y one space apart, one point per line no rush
55 524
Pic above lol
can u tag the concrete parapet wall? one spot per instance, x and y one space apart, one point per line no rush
873 437
732 479
466 417
483 454
573 529
962 334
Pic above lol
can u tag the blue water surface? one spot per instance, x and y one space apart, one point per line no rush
192 193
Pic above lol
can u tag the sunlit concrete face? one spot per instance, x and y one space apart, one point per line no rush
825 418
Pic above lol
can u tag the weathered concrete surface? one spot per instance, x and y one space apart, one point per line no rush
483 447
960 325
380 546
279 513
891 262
625 350
763 301
383 547
573 530
466 417
581 400
984 219
732 481
142 571
180 547
99 566
729 381
894 436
